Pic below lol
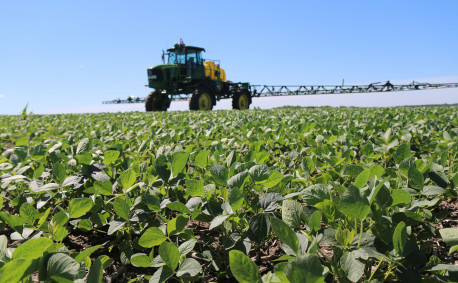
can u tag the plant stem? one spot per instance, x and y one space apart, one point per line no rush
375 270
360 234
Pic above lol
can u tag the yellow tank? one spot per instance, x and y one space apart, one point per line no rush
211 71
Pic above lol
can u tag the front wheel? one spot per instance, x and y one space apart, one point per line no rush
201 99
156 101
241 100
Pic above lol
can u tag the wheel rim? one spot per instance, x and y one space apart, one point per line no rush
243 102
205 101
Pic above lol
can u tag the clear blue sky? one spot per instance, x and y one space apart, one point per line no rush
71 54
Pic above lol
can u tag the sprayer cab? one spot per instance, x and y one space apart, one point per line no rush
185 72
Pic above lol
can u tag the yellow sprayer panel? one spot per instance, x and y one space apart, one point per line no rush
210 69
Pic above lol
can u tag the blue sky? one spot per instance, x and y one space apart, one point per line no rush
63 55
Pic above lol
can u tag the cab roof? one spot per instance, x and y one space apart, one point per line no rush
179 47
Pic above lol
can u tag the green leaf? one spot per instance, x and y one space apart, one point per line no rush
315 221
195 188
189 268
96 272
177 225
376 170
152 237
169 254
87 252
315 194
104 188
83 146
353 268
121 208
14 221
152 202
308 165
453 249
400 238
202 158
285 233
62 265
187 247
140 260
32 249
259 227
306 268
450 236
353 170
275 177
400 196
115 226
179 160
128 178
161 275
59 173
219 173
243 269
362 178
110 156
432 191
29 213
218 220
291 213
402 152
415 176
84 158
79 206
178 206
259 173
16 270
353 204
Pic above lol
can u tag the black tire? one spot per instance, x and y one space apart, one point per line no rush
156 101
241 99
201 99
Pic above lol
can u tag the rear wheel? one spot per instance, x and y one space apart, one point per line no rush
241 100
201 99
156 101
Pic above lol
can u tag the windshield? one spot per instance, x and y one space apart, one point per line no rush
177 57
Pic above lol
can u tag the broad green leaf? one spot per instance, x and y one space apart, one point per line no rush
306 268
96 272
187 247
202 158
177 225
29 213
179 160
169 254
259 227
291 213
400 238
218 220
195 188
152 202
353 268
83 146
104 188
178 206
189 268
315 194
87 252
275 177
115 226
284 232
219 173
238 180
161 275
376 170
121 208
417 178
16 270
243 269
353 204
432 190
259 173
110 156
140 260
14 221
128 178
353 170
402 152
32 249
362 178
79 206
269 201
400 196
59 173
308 165
63 266
315 221
450 236
152 237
